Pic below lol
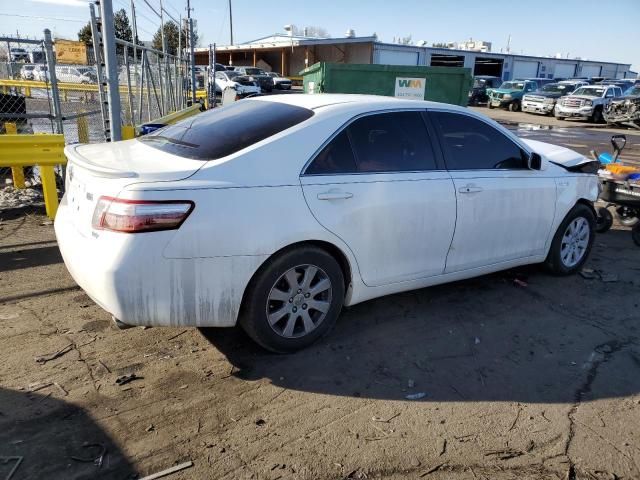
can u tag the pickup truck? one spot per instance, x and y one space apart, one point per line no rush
587 102
510 94
544 100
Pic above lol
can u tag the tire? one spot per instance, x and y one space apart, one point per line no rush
635 234
560 118
515 106
266 297
596 117
626 220
604 221
552 113
489 105
568 256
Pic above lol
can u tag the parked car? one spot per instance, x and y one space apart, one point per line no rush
240 83
40 73
26 72
542 81
481 83
19 55
587 102
369 209
544 99
257 75
624 84
75 74
279 81
510 94
626 109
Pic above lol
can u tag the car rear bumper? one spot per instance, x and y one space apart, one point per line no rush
129 277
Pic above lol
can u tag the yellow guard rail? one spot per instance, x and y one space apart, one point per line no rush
43 150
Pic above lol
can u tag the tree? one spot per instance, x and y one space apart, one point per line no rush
121 26
440 45
405 40
171 37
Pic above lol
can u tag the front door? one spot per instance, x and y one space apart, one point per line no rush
377 186
505 211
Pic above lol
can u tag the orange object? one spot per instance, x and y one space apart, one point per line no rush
621 169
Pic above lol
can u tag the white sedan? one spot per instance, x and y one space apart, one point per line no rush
275 212
240 83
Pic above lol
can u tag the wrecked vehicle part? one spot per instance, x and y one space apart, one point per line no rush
625 110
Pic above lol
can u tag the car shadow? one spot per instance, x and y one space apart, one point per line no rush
520 335
51 438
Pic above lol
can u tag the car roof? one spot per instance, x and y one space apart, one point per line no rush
372 102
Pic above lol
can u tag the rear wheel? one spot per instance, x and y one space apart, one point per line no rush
572 242
293 300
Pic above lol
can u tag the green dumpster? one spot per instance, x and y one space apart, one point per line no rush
438 84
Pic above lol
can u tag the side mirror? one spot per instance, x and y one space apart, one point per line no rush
534 162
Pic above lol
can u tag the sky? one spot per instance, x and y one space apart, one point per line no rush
590 29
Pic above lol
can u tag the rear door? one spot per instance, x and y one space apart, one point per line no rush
379 186
505 211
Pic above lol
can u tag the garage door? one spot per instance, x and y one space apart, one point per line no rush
395 57
565 70
524 69
590 71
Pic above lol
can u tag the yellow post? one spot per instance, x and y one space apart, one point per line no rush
128 132
83 129
27 91
16 172
49 191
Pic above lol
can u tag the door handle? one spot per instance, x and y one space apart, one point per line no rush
334 195
470 189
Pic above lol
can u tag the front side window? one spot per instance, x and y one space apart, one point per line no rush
471 144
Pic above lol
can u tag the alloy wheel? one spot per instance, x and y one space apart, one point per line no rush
299 301
575 242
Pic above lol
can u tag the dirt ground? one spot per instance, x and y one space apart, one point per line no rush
524 376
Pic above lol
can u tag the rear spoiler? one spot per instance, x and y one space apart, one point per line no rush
76 159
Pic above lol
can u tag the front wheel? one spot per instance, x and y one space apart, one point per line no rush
293 300
572 242
515 106
597 115
626 217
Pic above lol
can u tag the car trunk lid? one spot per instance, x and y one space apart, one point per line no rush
105 169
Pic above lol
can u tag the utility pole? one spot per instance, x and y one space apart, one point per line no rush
111 65
135 37
191 54
230 22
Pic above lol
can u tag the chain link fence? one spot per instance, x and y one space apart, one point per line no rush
26 107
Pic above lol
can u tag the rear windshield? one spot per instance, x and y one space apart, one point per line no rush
222 131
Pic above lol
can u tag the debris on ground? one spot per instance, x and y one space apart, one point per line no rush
6 460
416 396
411 383
96 460
476 341
169 471
520 283
124 379
385 420
442 446
19 197
504 453
432 469
52 356
588 273
34 387
608 277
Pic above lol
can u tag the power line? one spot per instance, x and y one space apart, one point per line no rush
43 18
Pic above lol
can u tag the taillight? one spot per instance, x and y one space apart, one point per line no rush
134 216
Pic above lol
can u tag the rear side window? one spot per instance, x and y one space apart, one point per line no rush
384 142
392 142
222 131
471 144
335 158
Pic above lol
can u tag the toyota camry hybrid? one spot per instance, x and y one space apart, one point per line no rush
275 212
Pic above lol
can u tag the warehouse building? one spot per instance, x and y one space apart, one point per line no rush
290 54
